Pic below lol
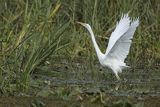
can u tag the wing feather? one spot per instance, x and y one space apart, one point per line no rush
120 29
121 47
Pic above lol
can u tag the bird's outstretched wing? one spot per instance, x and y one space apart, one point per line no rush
120 40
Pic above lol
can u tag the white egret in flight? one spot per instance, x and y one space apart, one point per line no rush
118 46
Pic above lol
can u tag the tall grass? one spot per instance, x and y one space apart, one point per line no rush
31 35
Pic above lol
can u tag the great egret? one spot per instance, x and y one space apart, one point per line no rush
118 46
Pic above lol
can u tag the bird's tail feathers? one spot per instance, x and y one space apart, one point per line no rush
123 67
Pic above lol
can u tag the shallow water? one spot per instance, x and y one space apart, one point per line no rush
128 86
137 88
76 84
133 81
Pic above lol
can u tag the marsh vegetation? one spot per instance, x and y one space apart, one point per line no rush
44 53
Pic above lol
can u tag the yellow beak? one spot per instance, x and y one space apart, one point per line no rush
80 23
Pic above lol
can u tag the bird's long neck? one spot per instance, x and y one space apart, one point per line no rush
98 51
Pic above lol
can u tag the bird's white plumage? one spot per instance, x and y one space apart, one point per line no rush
121 28
120 40
119 44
